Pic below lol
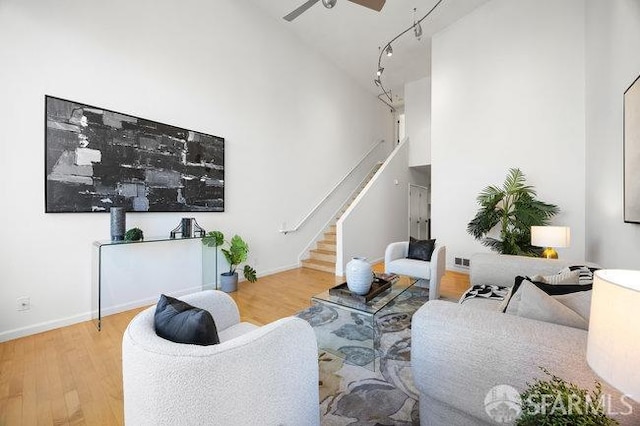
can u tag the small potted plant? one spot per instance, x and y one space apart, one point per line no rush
134 234
236 253
555 402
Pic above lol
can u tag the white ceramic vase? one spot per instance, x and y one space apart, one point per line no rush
359 275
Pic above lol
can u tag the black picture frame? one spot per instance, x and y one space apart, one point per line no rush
96 158
631 152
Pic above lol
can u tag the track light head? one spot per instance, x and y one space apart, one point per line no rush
377 81
389 50
379 73
329 3
417 30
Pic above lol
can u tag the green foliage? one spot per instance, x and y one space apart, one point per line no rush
555 402
236 252
213 239
134 234
515 209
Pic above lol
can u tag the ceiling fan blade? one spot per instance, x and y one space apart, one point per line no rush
371 4
300 10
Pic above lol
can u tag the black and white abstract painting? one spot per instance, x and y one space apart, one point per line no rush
96 159
632 153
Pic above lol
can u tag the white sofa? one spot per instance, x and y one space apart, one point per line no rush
396 262
459 352
256 375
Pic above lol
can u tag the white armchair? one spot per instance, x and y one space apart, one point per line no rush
396 262
256 375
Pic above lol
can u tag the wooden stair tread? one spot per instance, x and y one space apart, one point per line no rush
322 251
319 265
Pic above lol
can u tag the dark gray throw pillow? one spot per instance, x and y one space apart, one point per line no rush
180 322
421 249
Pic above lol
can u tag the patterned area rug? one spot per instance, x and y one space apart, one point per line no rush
351 393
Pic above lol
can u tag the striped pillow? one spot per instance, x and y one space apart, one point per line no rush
563 277
586 273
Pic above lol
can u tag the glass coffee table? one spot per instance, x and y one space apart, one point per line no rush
347 328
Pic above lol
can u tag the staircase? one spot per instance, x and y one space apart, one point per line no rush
323 257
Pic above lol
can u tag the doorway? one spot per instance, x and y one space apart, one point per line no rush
419 212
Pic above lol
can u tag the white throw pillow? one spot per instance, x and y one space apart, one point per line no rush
538 305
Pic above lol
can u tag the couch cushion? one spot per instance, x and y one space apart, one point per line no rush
421 249
538 305
410 267
236 330
180 322
554 290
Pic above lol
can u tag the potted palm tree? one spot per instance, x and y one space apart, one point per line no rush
236 253
514 209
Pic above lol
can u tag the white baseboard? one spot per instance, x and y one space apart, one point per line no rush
43 326
75 319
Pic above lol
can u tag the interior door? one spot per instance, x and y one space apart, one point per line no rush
419 212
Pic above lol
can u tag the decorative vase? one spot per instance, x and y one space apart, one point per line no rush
229 282
359 275
118 223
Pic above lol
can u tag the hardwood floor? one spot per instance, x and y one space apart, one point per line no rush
73 375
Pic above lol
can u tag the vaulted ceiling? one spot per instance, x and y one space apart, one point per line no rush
349 35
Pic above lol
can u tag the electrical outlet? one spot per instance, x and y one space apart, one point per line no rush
24 303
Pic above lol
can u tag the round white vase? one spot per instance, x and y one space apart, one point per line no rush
359 275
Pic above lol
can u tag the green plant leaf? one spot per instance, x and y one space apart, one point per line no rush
250 274
213 239
134 234
555 402
515 209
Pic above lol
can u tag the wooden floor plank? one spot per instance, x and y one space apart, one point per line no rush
73 375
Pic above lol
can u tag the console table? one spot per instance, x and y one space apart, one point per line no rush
130 274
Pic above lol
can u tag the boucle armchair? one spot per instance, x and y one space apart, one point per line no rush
396 262
256 375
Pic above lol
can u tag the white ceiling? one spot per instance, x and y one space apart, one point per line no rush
349 36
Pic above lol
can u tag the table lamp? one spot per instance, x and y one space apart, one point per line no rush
550 237
613 344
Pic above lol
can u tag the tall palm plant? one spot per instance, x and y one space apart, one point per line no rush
513 208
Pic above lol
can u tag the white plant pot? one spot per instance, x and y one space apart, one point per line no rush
359 275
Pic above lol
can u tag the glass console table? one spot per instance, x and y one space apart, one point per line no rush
102 250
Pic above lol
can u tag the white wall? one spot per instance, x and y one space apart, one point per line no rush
379 214
417 109
508 91
293 125
613 43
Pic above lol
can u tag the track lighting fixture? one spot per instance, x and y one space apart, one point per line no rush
417 28
417 31
329 3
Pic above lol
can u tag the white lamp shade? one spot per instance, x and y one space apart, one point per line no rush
550 236
613 346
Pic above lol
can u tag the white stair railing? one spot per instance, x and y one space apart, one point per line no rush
332 190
